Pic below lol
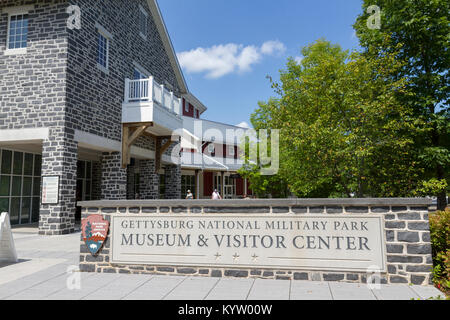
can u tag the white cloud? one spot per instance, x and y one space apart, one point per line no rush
273 47
244 125
220 60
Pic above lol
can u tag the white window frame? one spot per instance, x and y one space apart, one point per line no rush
211 148
144 74
231 150
186 105
108 36
14 11
142 11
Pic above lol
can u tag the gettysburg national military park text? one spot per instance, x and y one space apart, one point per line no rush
298 234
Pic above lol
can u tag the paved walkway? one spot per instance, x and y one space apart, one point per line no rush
42 273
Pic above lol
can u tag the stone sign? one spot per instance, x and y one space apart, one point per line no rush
313 242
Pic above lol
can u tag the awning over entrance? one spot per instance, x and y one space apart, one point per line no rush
196 160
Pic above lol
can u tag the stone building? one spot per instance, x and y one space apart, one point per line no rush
62 92
91 100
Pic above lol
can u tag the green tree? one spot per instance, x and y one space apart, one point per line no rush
343 130
422 29
262 185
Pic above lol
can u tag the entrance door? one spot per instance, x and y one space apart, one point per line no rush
229 194
230 188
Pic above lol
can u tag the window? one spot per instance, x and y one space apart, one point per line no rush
187 183
211 148
186 106
103 44
143 23
138 74
20 183
84 180
102 51
18 31
218 183
231 150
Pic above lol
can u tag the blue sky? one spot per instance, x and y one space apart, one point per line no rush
227 47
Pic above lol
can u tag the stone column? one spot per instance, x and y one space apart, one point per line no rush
130 182
114 177
59 158
173 181
149 180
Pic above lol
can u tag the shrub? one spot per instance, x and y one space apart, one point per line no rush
440 241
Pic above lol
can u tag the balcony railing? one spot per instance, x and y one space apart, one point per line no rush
148 90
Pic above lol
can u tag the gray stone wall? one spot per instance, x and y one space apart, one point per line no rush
408 245
94 97
114 177
131 182
173 181
33 85
148 180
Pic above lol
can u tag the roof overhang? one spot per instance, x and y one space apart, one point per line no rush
195 102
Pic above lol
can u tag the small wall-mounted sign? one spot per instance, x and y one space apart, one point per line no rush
50 189
95 231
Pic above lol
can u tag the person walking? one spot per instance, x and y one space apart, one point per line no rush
189 195
216 195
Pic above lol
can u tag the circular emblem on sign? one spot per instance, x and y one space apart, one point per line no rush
95 231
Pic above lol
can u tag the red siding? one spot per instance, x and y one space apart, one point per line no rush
208 184
221 150
239 187
189 113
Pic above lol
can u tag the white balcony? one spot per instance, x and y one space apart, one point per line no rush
147 101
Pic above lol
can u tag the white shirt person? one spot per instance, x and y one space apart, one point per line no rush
189 195
216 195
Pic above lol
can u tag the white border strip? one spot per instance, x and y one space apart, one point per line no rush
24 134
